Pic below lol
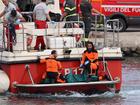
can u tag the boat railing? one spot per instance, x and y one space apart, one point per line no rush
27 34
112 32
65 31
104 33
1 36
13 40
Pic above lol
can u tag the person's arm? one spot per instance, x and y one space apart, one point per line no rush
42 60
22 19
59 66
19 18
2 14
5 18
48 17
66 11
95 57
96 11
93 10
34 16
15 4
63 15
47 13
83 58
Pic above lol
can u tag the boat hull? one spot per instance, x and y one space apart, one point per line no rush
19 75
86 88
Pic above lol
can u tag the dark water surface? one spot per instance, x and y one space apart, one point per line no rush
129 94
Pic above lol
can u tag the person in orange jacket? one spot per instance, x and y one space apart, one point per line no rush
52 68
90 59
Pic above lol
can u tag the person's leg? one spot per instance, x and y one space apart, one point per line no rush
49 75
52 76
42 42
9 40
44 25
87 22
93 67
40 39
60 79
37 43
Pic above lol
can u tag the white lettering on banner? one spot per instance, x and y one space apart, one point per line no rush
111 9
125 10
136 10
121 8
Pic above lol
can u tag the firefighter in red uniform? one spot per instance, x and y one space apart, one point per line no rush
52 69
40 13
69 13
90 59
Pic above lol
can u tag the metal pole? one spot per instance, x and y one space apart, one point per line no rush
8 37
23 36
27 67
105 31
4 37
105 66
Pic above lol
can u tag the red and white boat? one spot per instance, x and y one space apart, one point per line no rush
25 72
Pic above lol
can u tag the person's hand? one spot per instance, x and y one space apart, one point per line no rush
17 21
52 22
102 15
86 62
81 65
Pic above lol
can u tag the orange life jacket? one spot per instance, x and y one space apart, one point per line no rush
92 57
52 65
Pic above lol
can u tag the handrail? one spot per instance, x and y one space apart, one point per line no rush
117 80
57 26
104 28
8 37
115 29
2 37
30 12
23 35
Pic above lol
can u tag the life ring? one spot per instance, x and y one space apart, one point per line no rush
4 82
